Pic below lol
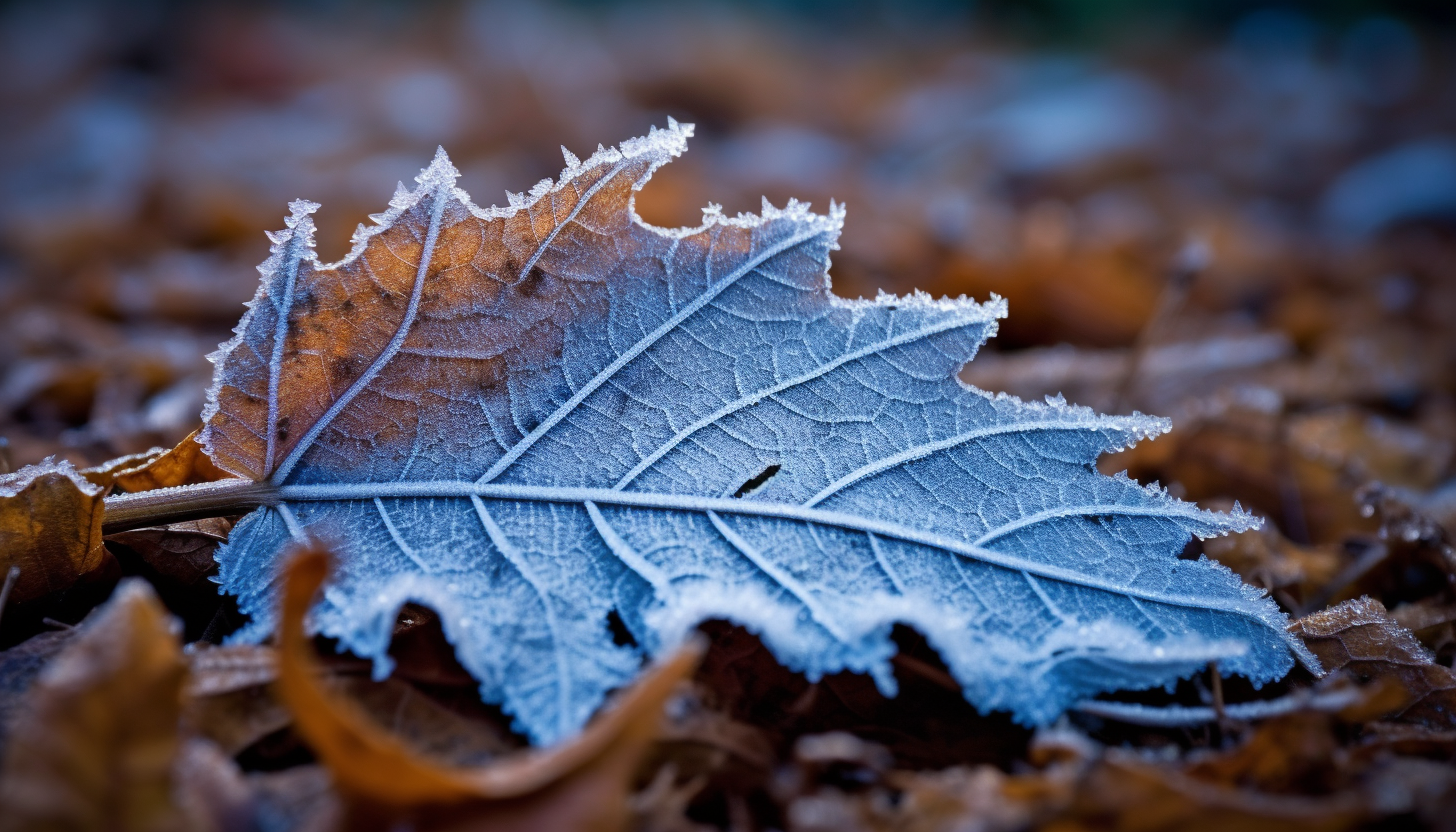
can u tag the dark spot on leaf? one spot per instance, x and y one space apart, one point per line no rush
531 283
757 482
344 370
621 636
347 305
283 429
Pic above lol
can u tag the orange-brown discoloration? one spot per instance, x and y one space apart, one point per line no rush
479 321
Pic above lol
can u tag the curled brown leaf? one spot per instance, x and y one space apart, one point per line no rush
581 785
50 527
185 464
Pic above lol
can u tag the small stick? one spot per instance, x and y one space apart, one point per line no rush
1217 684
1375 553
1220 711
926 671
59 625
1180 716
1190 262
185 502
10 578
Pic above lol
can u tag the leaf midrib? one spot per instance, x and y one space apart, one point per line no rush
344 492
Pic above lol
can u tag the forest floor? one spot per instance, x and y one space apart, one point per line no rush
1251 234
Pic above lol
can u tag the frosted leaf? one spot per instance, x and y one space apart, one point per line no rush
531 417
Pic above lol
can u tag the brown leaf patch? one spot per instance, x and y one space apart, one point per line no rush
185 464
581 785
1359 635
50 527
180 551
96 746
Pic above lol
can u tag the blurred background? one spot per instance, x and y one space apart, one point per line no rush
1238 215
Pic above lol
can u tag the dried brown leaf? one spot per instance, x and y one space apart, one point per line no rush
97 745
1359 635
185 464
218 670
105 474
181 551
50 527
581 785
1267 559
1130 791
423 724
19 667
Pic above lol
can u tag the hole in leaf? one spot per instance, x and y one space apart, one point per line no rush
757 482
621 636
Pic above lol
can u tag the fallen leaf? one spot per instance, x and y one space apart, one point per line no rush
211 791
532 418
186 464
1268 559
50 527
19 666
216 670
105 473
1360 635
580 785
1131 791
181 551
1370 447
97 744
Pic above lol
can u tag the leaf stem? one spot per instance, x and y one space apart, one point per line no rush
185 502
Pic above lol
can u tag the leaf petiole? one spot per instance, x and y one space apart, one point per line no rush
185 502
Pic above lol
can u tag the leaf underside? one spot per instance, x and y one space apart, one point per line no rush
529 417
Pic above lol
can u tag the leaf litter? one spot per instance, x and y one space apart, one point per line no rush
1343 376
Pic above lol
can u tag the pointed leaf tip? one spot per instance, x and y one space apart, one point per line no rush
440 171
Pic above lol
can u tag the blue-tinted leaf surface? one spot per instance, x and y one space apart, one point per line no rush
530 417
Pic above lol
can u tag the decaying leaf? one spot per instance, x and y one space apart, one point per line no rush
50 527
181 551
1078 784
1135 791
581 785
19 667
1268 559
96 746
1361 636
185 464
229 696
531 418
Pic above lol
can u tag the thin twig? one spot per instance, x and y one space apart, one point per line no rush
1216 682
185 502
11 577
1190 262
1375 553
926 671
59 625
1178 716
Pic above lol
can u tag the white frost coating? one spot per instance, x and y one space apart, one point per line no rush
600 479
15 482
